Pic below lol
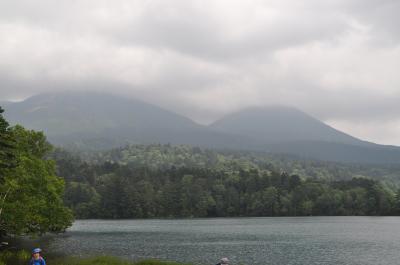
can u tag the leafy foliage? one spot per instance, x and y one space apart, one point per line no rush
31 193
7 147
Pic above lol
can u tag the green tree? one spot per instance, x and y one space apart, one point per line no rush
82 199
8 158
270 201
397 203
34 202
329 203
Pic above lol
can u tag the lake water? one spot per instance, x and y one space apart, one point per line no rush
290 241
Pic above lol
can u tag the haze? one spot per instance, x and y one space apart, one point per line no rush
336 60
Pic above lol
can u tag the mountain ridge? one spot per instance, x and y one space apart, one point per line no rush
97 120
289 124
79 117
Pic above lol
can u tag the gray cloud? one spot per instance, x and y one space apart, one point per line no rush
336 60
202 31
380 17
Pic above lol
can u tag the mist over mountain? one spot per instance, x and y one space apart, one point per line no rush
91 120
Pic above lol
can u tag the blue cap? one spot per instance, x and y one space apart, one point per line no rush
36 250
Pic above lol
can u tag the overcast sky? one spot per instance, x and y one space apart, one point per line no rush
338 60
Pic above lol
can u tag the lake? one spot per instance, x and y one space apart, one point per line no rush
303 240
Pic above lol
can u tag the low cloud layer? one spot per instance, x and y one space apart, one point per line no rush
337 60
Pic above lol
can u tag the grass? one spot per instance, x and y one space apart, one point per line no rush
22 258
14 257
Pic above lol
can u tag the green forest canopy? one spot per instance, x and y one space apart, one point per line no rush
146 181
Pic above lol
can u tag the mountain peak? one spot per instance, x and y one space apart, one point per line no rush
91 113
277 124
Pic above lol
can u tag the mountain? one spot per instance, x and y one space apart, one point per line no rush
97 120
277 124
288 130
68 112
90 120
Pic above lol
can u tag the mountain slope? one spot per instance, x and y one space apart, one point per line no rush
97 120
274 125
68 112
288 130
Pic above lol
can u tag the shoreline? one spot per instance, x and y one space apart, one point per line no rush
22 257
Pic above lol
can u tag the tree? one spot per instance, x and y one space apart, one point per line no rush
270 201
82 199
7 148
397 203
381 201
34 204
8 159
329 203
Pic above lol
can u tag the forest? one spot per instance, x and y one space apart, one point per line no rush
166 181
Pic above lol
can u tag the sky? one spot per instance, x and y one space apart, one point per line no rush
337 60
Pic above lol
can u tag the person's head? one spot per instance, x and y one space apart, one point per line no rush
36 253
224 261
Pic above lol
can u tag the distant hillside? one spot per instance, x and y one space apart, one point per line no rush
288 130
88 120
101 121
274 125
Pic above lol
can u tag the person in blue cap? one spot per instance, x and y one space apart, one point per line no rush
37 259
